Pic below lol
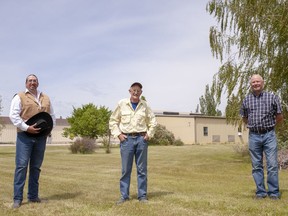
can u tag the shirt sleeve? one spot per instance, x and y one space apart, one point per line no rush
114 122
278 105
151 122
243 110
53 116
14 114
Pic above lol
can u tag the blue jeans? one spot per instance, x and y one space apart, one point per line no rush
267 143
29 150
138 147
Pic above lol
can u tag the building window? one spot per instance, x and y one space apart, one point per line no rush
216 138
231 138
205 131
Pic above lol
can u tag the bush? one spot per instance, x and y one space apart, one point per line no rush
283 159
178 142
282 132
83 146
282 144
241 149
164 137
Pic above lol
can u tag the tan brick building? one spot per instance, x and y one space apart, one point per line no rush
8 134
190 128
199 129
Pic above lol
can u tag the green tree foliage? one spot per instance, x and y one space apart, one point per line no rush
89 121
251 37
143 98
208 104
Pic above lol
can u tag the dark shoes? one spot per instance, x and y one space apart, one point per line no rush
141 200
37 200
274 197
259 197
16 204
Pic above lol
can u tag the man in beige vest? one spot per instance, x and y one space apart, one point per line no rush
30 143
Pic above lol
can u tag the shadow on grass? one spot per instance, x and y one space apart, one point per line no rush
283 191
64 196
159 193
252 194
7 153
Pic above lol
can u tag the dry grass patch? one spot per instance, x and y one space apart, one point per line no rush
184 180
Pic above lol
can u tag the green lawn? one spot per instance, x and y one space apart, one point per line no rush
184 180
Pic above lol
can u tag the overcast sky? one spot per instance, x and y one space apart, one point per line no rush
91 51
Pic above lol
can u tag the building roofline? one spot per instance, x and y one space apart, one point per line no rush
191 115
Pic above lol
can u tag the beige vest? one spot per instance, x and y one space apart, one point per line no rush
30 107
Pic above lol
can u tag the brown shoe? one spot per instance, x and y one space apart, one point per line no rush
258 197
37 200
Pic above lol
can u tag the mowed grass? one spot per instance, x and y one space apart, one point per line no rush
184 180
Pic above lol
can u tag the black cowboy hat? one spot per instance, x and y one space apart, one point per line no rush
44 121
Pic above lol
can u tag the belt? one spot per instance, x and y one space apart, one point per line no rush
135 134
261 130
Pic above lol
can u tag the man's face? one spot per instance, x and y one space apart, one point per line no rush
257 84
32 83
135 92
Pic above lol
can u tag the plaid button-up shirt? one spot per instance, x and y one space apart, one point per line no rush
261 110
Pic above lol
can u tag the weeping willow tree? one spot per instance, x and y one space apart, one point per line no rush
251 36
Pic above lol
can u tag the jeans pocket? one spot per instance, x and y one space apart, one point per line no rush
123 143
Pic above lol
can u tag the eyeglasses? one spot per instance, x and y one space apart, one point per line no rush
135 91
32 81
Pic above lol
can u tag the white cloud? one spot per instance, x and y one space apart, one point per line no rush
91 51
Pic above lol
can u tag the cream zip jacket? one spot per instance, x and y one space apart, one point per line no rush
125 119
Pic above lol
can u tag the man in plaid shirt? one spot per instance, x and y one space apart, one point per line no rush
261 111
